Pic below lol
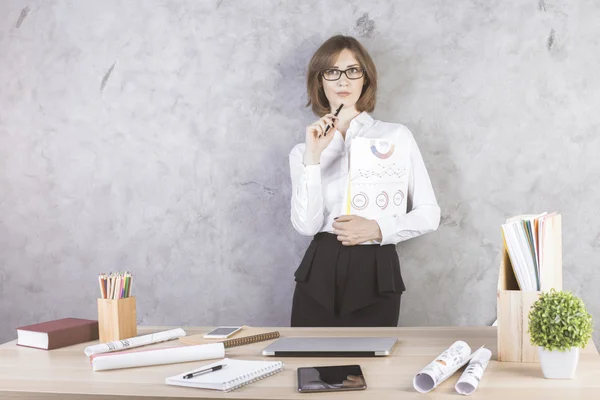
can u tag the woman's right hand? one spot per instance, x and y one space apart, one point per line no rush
316 140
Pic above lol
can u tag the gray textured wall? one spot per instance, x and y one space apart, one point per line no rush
153 136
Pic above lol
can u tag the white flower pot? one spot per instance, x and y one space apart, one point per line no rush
559 364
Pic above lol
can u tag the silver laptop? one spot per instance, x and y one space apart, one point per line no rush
331 347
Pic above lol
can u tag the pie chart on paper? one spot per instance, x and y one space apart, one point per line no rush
382 149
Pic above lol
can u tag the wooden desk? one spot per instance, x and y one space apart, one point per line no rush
66 373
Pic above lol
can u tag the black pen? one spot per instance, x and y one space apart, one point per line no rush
203 371
335 115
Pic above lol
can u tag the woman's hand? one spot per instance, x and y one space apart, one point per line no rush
352 229
317 140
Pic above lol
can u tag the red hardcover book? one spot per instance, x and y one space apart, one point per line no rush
59 333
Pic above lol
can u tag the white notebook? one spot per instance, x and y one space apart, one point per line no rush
235 374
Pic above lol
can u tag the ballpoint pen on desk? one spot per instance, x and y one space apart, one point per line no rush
203 371
327 127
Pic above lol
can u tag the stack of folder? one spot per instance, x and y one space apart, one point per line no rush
530 241
531 263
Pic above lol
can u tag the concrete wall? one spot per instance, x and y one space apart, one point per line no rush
153 136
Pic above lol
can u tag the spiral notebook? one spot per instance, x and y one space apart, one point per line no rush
251 335
250 339
235 374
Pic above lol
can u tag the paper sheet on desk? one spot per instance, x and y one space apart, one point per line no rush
443 367
169 355
378 182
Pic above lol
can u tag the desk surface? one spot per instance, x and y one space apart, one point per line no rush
66 373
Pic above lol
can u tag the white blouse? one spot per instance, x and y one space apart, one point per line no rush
318 191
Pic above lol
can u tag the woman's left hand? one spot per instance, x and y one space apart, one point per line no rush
352 229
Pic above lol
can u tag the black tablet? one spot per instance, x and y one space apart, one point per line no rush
330 378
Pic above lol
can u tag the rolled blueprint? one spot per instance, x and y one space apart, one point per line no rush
443 367
134 342
169 355
469 380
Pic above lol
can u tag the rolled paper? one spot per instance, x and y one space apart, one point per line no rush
170 355
443 367
134 342
469 380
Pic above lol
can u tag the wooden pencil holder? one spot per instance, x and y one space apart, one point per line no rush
513 305
116 319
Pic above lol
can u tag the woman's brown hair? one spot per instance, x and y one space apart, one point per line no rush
325 57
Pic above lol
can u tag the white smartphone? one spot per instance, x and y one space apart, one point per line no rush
222 332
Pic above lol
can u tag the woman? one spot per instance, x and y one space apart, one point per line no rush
342 280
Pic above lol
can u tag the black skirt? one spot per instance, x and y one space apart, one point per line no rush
339 285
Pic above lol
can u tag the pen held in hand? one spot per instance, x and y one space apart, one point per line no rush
327 127
203 371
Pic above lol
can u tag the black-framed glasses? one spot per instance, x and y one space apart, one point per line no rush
333 74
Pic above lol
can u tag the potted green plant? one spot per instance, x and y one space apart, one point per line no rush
559 325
